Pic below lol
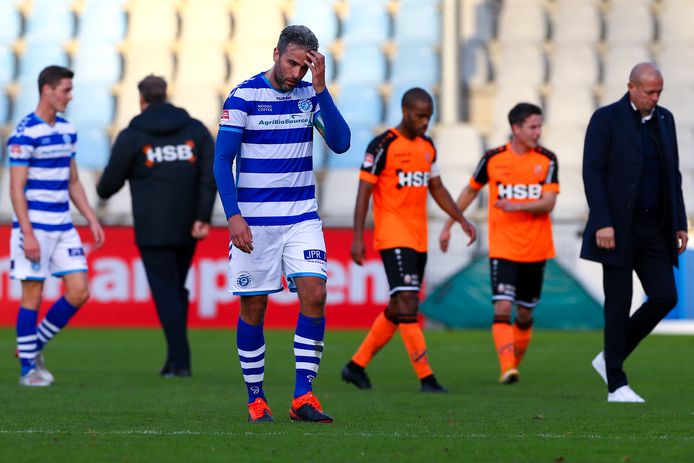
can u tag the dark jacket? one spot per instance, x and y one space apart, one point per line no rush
612 168
167 157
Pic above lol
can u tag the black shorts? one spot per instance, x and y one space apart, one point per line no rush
519 282
404 268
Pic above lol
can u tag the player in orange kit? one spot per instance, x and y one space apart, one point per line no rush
523 187
400 169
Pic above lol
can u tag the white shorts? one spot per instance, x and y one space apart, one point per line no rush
61 253
291 250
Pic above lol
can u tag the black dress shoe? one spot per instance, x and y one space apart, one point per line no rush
169 370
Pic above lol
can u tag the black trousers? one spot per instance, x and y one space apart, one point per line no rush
649 257
167 268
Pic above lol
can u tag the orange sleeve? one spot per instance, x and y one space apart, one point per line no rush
551 187
475 185
368 177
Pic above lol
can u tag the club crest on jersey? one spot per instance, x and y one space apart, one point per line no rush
243 280
66 139
368 160
305 106
519 191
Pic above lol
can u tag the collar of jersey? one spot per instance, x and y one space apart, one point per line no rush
267 81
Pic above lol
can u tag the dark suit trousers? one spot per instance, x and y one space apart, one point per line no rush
167 268
649 257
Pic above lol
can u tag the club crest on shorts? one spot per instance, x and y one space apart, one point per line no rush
243 280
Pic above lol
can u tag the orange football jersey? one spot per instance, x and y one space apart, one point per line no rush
518 236
400 170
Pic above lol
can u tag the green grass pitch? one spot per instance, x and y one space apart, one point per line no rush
108 403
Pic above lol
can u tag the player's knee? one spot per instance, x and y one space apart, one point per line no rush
524 317
503 308
77 296
665 302
407 303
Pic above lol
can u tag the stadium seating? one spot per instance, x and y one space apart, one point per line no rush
631 24
568 106
96 62
522 23
567 143
206 23
352 69
102 21
361 104
7 65
319 16
10 23
338 193
50 21
670 61
418 22
142 29
362 134
92 103
520 65
367 22
573 65
415 63
676 19
619 60
576 23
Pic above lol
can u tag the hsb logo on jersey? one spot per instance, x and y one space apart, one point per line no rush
169 153
519 191
415 179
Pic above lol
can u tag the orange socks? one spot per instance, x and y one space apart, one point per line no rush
522 333
380 333
416 346
503 340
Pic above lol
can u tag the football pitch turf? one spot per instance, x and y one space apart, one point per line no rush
108 403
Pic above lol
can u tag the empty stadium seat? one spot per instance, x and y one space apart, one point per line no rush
506 98
418 22
567 144
361 104
571 201
520 65
459 146
50 21
4 109
142 29
366 23
670 61
92 145
36 56
676 19
148 58
206 23
569 106
102 21
475 64
362 135
319 16
7 65
338 192
576 23
257 27
619 61
680 100
352 69
522 23
88 179
630 23
248 61
205 66
96 62
92 103
203 103
574 65
10 23
416 63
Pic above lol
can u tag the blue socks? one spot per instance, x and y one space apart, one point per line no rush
57 317
308 349
250 343
27 347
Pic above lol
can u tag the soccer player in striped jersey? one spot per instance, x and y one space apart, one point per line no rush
43 241
267 125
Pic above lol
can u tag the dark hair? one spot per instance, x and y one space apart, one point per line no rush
152 89
521 112
301 36
416 94
52 75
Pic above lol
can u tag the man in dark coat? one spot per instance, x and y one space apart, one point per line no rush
637 221
167 157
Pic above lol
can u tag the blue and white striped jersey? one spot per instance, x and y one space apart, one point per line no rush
47 151
274 169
